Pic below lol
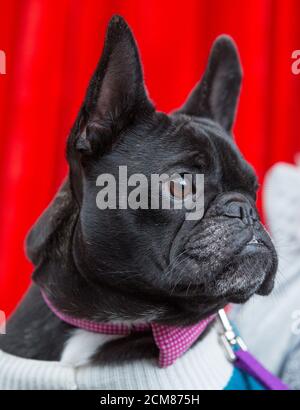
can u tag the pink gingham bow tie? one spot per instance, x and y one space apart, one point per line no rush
172 341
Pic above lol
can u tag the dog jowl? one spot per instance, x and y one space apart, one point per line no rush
153 264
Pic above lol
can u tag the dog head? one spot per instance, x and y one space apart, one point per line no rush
154 264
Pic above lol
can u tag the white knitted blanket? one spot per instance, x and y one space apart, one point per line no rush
203 367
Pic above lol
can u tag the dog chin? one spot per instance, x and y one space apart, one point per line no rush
251 271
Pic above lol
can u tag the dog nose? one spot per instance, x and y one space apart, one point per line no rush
242 210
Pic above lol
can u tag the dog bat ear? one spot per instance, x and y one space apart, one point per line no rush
216 95
116 93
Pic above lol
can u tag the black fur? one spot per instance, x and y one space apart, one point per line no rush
145 264
34 331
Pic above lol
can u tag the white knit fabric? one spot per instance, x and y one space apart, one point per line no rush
203 367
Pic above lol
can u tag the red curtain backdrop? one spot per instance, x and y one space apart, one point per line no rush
52 47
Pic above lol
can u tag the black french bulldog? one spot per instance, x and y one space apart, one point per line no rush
145 265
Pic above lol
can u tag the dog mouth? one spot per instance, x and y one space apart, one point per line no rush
249 269
253 245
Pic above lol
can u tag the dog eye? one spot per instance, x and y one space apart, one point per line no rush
180 188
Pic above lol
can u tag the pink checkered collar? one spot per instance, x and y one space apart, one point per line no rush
172 341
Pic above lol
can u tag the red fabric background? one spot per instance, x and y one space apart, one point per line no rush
52 47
